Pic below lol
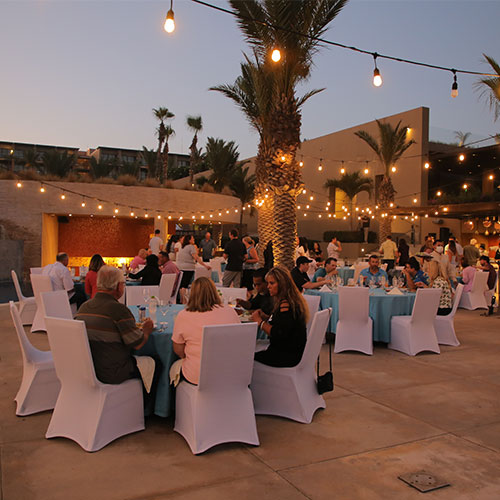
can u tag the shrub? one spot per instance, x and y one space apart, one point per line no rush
150 182
127 180
207 188
349 236
30 175
168 185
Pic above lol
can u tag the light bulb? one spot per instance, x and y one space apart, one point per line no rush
301 164
63 197
393 169
99 207
366 171
461 157
438 193
465 186
320 167
116 210
342 170
377 79
83 204
426 164
169 22
454 85
42 190
490 177
19 185
276 55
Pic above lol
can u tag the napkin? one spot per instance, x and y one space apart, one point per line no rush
395 291
146 366
175 372
324 288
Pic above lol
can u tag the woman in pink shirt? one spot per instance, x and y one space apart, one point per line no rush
468 276
139 259
204 308
96 262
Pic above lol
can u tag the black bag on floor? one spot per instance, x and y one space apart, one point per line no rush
325 381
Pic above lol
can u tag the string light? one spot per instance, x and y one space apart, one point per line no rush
19 185
42 189
116 210
99 207
276 55
415 200
320 166
158 216
169 25
301 164
342 170
367 171
439 193
461 157
426 165
63 197
490 177
393 169
454 85
377 79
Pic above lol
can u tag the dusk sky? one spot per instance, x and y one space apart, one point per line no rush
88 73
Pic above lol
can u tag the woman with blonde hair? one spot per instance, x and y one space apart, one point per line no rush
286 327
251 263
204 308
440 279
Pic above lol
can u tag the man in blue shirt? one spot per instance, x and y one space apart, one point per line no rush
328 271
415 277
373 273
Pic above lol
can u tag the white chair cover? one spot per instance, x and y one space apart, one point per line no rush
220 409
355 327
27 305
292 392
173 298
40 283
416 333
200 271
475 299
56 304
215 264
39 385
167 283
135 294
230 294
313 302
88 412
444 325
36 270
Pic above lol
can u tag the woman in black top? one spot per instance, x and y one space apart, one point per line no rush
287 325
316 252
403 250
151 274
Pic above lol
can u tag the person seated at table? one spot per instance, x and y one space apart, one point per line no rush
112 330
484 263
415 277
326 273
260 298
151 274
316 252
439 279
286 327
468 274
139 259
373 273
300 277
96 262
204 308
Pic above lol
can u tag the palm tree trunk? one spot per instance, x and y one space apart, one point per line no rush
164 160
285 230
386 197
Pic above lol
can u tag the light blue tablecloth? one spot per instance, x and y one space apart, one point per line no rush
382 308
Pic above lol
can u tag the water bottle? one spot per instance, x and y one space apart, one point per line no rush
142 314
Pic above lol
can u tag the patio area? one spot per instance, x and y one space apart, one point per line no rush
390 414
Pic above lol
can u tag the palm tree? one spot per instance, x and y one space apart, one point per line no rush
168 132
31 159
221 158
150 158
489 87
162 114
100 169
277 173
194 124
60 164
389 150
462 137
242 186
351 185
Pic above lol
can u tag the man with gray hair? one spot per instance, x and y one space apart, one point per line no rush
471 252
112 330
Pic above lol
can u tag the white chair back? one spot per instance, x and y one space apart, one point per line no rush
456 301
29 353
40 283
480 283
425 306
15 280
215 264
36 270
56 304
173 298
137 295
71 352
354 304
227 357
167 283
314 340
200 271
313 302
231 294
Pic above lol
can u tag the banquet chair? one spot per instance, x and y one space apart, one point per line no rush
354 330
200 271
219 409
475 299
27 305
135 294
36 270
358 268
39 385
56 304
416 333
231 294
445 329
39 283
173 298
292 392
167 283
87 411
313 302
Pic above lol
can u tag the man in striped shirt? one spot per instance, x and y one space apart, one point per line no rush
112 330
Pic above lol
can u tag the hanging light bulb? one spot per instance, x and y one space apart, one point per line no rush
116 210
169 20
454 85
393 169
377 79
276 55
426 165
320 166
19 184
63 197
42 189
301 164
461 157
342 170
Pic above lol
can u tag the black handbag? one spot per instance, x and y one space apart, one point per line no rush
325 382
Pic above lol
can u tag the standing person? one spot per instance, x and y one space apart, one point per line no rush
96 262
251 263
286 327
187 259
234 253
334 248
301 248
428 243
268 256
207 246
453 259
439 279
151 274
403 252
471 252
486 266
170 246
156 243
458 246
365 226
389 252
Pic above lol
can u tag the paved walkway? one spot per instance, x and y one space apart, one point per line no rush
389 415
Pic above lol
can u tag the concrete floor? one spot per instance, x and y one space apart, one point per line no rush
390 414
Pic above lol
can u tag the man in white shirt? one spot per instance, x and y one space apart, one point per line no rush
389 252
334 248
156 243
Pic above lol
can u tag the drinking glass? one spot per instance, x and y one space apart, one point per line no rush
339 281
145 294
382 281
163 313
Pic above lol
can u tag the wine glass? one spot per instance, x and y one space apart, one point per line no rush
163 313
339 281
145 294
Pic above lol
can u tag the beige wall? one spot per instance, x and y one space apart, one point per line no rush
50 236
